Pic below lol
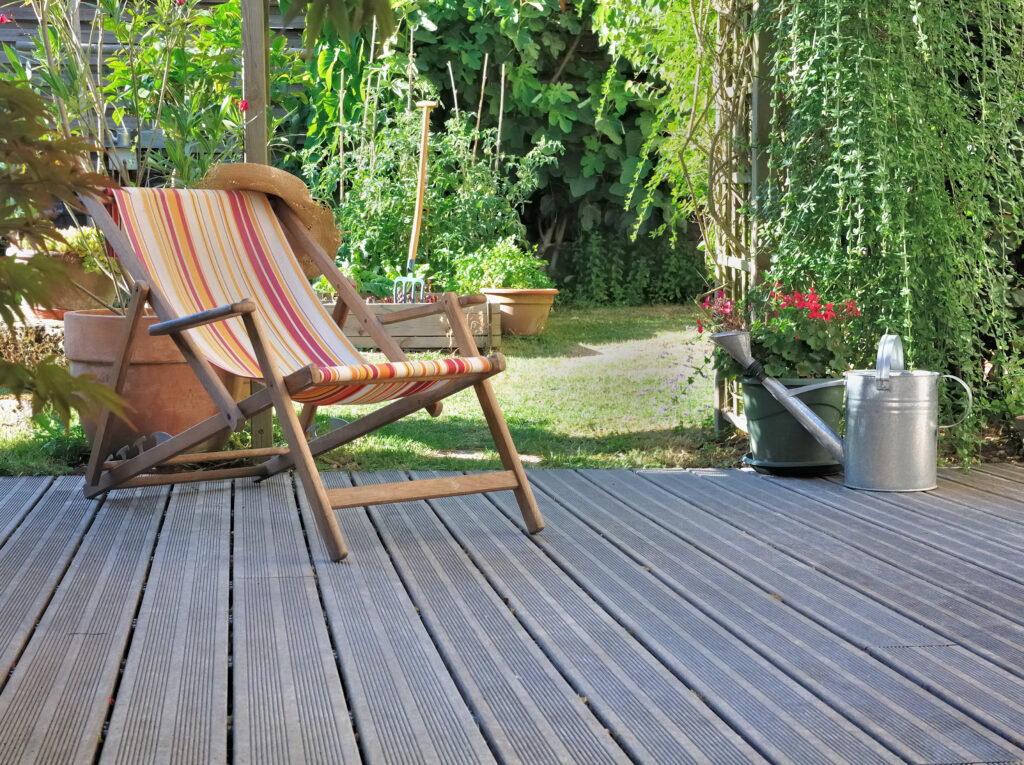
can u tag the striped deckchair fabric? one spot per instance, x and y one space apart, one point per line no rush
209 248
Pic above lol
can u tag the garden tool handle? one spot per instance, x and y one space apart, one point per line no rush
970 401
421 185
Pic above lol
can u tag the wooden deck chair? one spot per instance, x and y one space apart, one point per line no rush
220 271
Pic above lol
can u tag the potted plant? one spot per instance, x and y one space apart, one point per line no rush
801 339
513 278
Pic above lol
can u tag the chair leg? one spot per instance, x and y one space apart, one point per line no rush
495 420
306 418
509 456
116 379
326 521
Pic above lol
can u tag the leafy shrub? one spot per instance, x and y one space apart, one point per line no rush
503 264
602 270
473 196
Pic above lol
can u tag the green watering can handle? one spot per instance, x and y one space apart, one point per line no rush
970 402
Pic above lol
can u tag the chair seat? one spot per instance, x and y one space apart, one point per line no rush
373 383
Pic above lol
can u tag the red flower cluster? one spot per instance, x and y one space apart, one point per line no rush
243 105
720 311
811 301
5 19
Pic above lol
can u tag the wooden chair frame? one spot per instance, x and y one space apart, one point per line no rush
102 476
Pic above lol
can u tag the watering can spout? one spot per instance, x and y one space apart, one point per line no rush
737 345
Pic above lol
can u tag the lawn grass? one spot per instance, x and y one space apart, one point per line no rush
600 388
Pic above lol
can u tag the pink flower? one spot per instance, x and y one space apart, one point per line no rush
700 327
243 105
5 19
179 2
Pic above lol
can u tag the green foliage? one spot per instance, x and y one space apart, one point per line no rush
502 265
472 199
559 84
601 270
178 71
36 167
898 142
677 41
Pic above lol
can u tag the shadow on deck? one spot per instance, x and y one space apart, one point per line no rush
661 617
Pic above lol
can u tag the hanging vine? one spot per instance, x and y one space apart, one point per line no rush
898 158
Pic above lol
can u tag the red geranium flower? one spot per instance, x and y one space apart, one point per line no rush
243 105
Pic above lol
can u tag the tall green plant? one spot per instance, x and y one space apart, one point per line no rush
898 147
37 166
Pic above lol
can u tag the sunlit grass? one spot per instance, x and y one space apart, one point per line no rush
599 388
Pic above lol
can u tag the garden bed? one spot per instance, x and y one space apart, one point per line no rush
430 333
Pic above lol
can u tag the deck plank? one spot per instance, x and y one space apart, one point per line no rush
957 618
942 514
696 554
1008 490
991 576
17 497
787 723
527 709
1004 470
655 715
171 705
405 704
56 701
35 557
289 704
661 616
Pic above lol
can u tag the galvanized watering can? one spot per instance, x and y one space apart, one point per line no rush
892 416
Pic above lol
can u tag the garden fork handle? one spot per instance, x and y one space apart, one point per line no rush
421 186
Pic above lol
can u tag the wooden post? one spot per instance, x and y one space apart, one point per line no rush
255 47
760 137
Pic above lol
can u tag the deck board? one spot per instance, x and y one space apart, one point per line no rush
656 716
729 675
176 678
405 704
780 623
289 703
54 706
662 616
955 617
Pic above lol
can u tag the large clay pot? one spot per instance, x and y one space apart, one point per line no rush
780 445
161 391
523 312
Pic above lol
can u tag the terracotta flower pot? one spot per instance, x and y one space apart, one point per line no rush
523 312
161 391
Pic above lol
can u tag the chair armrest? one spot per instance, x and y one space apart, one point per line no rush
427 309
203 317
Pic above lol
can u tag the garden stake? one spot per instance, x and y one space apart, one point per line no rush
406 286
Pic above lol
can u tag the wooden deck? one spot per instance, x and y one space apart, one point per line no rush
661 617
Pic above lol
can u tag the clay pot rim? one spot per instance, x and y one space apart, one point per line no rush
517 291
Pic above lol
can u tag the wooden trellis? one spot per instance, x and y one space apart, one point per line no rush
737 168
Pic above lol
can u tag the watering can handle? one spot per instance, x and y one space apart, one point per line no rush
814 386
970 402
889 359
